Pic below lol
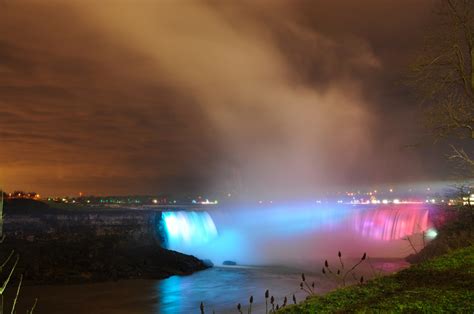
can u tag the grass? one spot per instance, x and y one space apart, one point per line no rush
455 234
441 284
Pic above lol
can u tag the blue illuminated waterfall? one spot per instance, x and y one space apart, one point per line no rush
249 235
187 230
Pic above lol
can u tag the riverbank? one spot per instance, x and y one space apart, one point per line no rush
442 284
441 281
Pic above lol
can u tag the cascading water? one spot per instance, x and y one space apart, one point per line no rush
186 230
391 223
294 234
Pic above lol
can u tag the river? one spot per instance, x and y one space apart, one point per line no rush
220 288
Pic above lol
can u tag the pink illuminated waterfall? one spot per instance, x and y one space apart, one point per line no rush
392 223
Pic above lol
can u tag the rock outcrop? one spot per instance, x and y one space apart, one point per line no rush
85 245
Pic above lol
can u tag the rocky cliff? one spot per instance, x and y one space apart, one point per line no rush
83 244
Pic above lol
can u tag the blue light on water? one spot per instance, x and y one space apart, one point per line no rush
188 229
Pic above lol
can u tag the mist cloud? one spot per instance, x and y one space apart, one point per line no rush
279 131
260 97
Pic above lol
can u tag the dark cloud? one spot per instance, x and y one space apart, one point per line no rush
122 97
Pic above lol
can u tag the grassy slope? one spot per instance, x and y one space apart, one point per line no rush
442 284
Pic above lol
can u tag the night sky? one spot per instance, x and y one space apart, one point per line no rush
260 97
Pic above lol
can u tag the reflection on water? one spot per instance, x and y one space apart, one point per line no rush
221 288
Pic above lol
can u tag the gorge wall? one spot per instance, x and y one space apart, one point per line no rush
73 246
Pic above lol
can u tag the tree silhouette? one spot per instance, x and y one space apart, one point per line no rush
444 74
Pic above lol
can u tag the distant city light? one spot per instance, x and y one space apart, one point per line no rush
207 202
471 199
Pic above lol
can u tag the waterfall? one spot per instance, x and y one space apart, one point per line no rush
391 223
188 229
299 233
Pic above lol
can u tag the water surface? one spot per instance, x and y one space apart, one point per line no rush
221 288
